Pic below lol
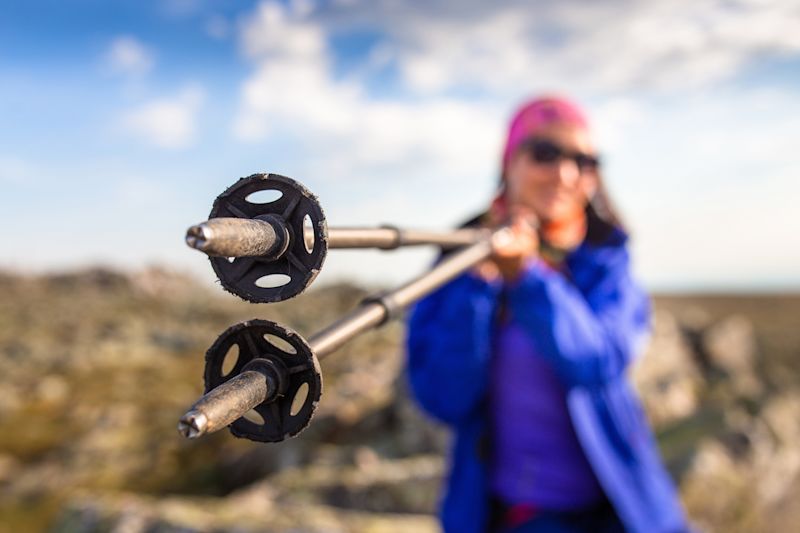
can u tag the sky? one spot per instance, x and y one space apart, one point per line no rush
122 121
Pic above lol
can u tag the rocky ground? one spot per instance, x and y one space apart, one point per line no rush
96 367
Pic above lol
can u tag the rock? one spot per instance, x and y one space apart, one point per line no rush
52 389
89 513
156 281
741 477
10 399
667 376
778 464
730 345
96 367
368 483
694 318
100 278
9 468
715 491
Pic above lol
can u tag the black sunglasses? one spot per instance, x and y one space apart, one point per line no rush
546 151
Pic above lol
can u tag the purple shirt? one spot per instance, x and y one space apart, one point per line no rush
536 456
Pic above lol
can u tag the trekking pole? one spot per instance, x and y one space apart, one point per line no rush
277 372
267 238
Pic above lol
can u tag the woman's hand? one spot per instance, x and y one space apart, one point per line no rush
512 247
516 246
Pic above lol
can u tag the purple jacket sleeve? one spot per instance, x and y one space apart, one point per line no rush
449 345
589 327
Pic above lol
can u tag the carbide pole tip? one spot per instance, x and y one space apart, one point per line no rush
193 424
197 236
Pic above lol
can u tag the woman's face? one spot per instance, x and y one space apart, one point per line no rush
556 189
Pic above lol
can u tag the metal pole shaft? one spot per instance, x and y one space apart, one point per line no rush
389 238
440 274
366 316
225 404
268 237
374 312
229 401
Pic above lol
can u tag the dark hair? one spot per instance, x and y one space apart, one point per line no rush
601 217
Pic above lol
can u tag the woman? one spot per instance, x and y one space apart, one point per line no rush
525 356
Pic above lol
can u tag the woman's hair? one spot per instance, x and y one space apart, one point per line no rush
601 216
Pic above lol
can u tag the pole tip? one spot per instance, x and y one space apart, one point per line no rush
193 424
197 236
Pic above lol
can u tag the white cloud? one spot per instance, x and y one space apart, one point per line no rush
671 146
167 123
293 92
613 118
126 55
744 232
708 186
274 31
302 8
604 45
508 52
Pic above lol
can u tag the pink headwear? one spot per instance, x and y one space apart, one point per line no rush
536 114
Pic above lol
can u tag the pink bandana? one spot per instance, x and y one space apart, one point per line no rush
536 114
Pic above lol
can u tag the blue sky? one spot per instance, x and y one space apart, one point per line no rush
122 122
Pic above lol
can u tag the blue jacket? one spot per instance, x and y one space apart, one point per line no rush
589 327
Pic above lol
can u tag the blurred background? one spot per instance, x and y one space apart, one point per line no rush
121 122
